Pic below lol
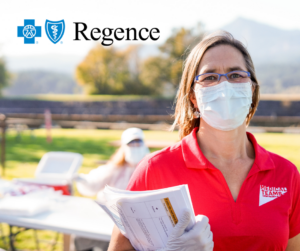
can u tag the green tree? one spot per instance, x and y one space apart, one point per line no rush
4 75
110 71
166 68
154 72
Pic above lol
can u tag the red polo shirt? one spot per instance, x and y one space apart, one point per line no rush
266 213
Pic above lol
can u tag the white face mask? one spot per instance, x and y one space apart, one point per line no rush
134 154
226 105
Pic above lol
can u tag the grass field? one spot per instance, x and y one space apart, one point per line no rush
24 150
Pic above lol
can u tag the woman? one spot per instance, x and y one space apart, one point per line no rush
119 168
116 173
249 195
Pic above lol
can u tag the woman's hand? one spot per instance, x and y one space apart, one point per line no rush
198 238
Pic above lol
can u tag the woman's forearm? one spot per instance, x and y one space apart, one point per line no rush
119 242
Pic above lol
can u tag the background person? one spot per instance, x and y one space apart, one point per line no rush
249 195
118 170
115 173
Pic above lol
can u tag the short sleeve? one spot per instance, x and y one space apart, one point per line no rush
295 212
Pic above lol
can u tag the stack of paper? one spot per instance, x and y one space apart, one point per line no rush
28 204
147 218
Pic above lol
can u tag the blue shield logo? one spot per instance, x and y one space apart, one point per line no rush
55 30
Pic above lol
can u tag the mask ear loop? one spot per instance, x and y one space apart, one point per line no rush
196 113
253 88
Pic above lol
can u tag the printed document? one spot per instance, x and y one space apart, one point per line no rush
147 218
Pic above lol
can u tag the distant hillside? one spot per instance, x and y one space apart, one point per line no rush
60 62
42 82
279 78
267 44
273 78
47 62
275 52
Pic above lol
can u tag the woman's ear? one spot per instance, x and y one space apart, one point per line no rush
193 98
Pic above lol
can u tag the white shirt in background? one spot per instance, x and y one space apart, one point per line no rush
94 182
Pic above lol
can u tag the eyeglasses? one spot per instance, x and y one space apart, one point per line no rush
211 79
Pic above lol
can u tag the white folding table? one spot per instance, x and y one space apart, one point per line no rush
69 215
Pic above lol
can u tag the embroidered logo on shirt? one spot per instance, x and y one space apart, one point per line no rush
268 194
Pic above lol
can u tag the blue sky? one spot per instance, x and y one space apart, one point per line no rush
163 14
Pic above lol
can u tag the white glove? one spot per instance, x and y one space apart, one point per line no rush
199 238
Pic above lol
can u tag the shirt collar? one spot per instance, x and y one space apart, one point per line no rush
262 160
194 157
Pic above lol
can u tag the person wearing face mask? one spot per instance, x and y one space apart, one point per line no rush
245 197
115 173
118 170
